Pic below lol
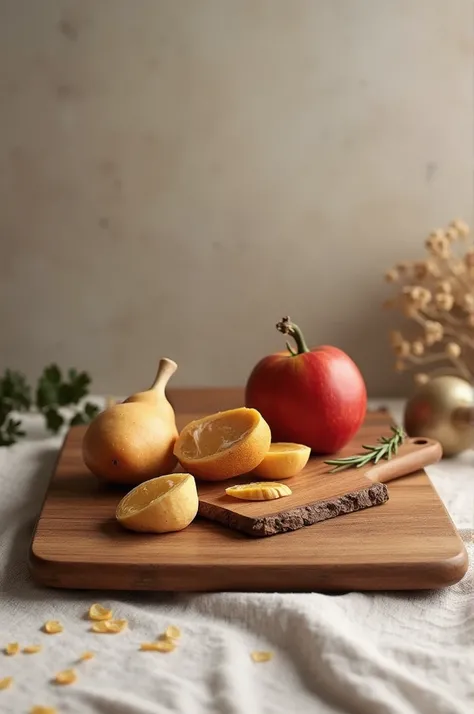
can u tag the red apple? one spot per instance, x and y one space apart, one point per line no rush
314 397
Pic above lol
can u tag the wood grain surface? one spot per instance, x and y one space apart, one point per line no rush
317 494
408 543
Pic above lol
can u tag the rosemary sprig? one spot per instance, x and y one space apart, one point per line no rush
385 448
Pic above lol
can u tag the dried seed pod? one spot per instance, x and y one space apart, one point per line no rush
453 349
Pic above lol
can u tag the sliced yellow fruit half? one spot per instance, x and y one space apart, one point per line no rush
283 460
160 505
223 445
264 491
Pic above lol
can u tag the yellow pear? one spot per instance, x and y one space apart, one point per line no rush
133 441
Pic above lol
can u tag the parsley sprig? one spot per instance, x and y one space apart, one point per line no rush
53 392
385 448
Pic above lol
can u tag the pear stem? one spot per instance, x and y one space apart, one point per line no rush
166 369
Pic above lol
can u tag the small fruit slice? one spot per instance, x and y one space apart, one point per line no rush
263 491
32 649
6 683
67 676
43 710
223 445
52 627
109 626
160 505
99 612
283 460
12 648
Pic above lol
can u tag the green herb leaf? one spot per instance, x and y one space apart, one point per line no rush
385 448
15 393
91 410
78 419
54 420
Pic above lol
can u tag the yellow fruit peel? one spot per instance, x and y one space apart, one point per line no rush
99 612
261 656
52 627
158 646
161 505
283 460
32 649
6 683
67 676
109 626
223 445
12 649
259 491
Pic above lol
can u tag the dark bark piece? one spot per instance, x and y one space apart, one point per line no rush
298 517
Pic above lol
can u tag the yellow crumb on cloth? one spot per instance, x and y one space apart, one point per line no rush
38 709
86 656
99 612
52 627
67 676
172 632
6 683
159 646
109 626
32 649
12 648
261 656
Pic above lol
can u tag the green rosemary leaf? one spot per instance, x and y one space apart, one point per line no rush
385 448
380 455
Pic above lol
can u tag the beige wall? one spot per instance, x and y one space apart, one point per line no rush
177 175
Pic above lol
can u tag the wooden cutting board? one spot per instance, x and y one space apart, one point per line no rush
407 543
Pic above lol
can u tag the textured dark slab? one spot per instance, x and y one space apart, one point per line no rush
298 517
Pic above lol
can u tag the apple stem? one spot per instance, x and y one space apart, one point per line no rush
289 328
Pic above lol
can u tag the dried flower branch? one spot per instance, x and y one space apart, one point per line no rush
437 295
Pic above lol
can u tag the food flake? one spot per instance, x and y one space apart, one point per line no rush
99 612
6 683
43 710
86 656
52 627
67 676
12 648
32 649
261 656
172 632
159 646
109 626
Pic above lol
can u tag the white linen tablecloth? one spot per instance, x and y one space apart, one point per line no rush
380 653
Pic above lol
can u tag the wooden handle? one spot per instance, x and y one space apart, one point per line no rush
412 455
